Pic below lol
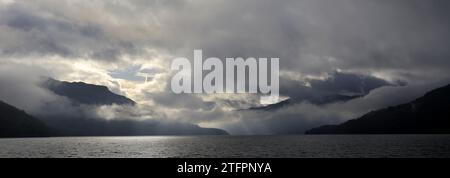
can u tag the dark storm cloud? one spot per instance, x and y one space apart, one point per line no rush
337 86
348 83
308 36
398 35
318 36
29 29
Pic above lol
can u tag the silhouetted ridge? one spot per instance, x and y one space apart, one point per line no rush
86 93
427 114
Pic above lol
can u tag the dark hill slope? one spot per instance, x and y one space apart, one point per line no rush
427 114
17 123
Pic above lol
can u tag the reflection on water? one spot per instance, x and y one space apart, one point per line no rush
231 146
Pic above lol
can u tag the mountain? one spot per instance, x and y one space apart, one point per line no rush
89 94
272 107
427 114
17 123
319 101
84 93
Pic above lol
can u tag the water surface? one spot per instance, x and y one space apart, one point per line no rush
296 146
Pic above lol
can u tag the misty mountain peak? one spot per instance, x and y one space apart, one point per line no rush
85 93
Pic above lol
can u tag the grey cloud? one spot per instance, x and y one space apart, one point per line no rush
403 40
337 86
348 82
309 36
319 36
31 29
19 87
186 101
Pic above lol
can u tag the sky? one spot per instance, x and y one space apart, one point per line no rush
385 52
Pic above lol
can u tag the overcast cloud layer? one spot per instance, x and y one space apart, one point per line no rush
386 52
